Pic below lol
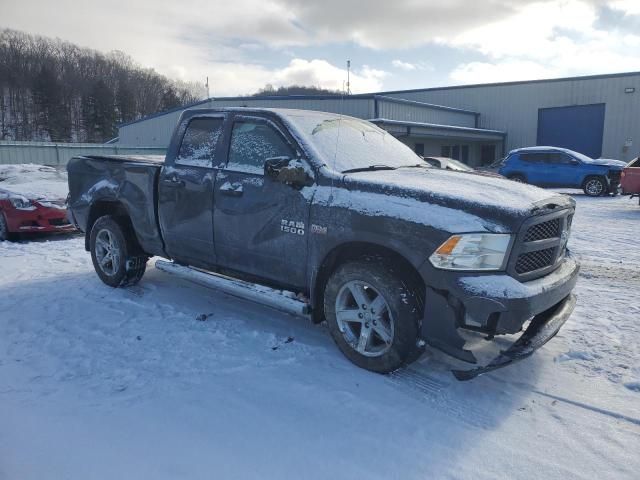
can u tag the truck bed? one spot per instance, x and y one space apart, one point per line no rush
131 181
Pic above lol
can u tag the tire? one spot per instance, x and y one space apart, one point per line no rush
116 256
595 186
397 321
5 234
518 178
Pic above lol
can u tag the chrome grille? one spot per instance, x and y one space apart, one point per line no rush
542 231
531 261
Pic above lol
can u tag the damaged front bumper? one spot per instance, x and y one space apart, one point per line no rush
542 328
497 304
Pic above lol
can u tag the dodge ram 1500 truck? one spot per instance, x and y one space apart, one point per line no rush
391 253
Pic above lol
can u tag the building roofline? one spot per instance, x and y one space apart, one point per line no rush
359 96
518 82
423 104
438 126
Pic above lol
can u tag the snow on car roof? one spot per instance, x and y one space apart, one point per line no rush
34 181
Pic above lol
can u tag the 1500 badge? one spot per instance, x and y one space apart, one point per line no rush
290 226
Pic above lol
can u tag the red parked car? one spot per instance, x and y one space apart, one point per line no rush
32 199
630 179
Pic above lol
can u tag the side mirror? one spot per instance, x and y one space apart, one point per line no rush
288 171
573 161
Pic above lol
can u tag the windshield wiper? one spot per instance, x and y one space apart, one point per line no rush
417 165
370 168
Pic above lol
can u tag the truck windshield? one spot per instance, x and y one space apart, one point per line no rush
349 144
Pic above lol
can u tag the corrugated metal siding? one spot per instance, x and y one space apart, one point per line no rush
514 108
60 153
415 113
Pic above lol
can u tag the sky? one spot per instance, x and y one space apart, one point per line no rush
242 45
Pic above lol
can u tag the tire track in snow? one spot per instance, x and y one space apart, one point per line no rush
439 394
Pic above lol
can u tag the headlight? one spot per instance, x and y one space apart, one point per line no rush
473 251
21 203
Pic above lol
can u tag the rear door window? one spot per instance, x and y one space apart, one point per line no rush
199 143
534 157
252 142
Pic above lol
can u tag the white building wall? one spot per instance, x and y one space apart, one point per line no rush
514 107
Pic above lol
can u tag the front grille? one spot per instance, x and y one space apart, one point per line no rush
531 261
543 231
540 245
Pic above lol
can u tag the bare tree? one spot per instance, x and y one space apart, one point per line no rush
54 90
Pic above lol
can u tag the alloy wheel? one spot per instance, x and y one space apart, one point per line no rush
107 252
364 319
594 187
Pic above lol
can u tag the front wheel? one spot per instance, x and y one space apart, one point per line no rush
115 257
594 186
5 234
373 315
4 229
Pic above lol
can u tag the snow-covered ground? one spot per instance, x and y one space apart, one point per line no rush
97 383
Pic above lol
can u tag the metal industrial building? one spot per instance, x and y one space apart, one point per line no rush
597 115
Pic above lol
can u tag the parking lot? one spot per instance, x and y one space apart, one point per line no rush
171 380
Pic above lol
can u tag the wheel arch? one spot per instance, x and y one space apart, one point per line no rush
104 207
351 251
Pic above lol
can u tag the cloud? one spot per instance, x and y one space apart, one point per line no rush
629 7
244 44
403 65
234 78
546 39
507 71
323 74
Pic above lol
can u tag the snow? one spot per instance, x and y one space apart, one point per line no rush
408 208
97 383
34 181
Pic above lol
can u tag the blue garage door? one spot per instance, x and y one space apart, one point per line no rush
578 127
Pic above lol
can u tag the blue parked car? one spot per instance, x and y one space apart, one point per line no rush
560 167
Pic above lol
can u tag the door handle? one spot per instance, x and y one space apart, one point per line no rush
232 189
173 182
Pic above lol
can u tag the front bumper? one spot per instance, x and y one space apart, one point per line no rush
497 304
40 219
542 328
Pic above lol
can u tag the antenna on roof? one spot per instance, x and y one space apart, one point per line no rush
348 77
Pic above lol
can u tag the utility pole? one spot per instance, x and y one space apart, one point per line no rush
348 77
207 85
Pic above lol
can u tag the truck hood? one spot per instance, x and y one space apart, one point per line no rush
607 162
457 201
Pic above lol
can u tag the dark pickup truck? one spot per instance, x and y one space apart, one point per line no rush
391 253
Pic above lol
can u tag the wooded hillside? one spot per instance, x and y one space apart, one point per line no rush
54 90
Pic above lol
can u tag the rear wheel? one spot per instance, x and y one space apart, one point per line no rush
373 315
594 186
116 257
518 178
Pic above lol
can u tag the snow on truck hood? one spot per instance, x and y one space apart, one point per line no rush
35 182
456 201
